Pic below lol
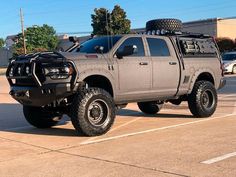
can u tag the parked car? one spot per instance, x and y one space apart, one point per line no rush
229 60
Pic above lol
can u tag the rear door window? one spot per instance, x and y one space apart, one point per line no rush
158 47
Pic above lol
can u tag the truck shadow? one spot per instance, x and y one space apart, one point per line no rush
12 120
134 113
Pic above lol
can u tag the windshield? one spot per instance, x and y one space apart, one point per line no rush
229 57
106 42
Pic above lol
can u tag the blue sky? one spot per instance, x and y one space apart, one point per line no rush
75 15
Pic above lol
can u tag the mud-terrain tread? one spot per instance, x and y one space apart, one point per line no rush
40 118
149 107
194 102
164 24
79 115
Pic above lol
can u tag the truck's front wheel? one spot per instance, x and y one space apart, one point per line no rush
93 111
202 101
151 107
41 117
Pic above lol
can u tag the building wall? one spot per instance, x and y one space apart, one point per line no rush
226 28
5 55
204 27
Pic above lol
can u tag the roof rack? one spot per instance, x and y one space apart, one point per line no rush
176 33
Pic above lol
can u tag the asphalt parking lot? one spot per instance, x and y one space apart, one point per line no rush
171 143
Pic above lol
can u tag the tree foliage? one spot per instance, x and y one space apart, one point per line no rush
105 22
38 39
225 44
2 42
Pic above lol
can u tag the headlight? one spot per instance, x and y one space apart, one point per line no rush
62 72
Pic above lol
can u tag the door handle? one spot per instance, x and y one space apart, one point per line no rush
172 63
143 63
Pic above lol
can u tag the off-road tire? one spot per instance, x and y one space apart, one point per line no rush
82 113
202 101
150 107
164 24
234 69
40 117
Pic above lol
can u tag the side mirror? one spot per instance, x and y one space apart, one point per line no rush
73 39
127 51
99 49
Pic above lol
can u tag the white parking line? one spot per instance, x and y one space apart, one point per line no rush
17 128
152 130
225 96
220 158
127 123
116 128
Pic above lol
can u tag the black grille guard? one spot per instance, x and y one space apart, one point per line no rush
32 60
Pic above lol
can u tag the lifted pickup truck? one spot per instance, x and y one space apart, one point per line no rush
105 73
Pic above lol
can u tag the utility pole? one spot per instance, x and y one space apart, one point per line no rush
22 29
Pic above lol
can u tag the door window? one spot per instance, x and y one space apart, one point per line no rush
133 41
158 47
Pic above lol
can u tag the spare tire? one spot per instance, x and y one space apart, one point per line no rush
164 24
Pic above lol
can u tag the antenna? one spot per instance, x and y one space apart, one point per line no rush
22 28
107 27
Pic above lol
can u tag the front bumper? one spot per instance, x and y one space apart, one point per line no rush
32 87
40 96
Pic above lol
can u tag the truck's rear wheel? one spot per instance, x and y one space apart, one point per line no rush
151 107
202 101
93 111
41 117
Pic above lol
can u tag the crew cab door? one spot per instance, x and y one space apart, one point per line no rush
165 66
134 71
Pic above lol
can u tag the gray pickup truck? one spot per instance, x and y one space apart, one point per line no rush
105 73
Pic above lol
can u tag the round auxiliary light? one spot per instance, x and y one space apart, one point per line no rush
19 70
27 70
11 72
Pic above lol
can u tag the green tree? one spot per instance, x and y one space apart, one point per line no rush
120 23
2 42
104 22
101 21
225 44
38 39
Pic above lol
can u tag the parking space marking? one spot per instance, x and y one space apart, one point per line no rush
220 158
116 128
18 128
153 130
125 124
228 95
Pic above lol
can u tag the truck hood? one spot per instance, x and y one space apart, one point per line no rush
79 56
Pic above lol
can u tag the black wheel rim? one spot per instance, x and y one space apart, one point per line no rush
207 99
98 113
